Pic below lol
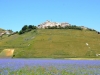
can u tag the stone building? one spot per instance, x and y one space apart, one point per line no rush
51 24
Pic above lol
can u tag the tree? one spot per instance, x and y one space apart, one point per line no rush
30 27
10 30
24 28
16 32
34 27
59 26
21 32
27 28
55 27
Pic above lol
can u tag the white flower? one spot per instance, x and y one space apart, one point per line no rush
87 44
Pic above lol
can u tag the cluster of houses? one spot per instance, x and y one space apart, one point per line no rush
51 24
4 32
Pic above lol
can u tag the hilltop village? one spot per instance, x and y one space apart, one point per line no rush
53 24
45 25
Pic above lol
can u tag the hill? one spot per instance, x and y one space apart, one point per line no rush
1 30
53 43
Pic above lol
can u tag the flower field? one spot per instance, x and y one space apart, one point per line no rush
49 67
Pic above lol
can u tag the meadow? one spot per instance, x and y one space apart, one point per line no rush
53 43
49 67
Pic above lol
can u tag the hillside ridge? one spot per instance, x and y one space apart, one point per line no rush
53 43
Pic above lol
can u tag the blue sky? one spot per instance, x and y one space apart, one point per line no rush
14 14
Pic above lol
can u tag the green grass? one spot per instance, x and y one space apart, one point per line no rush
53 43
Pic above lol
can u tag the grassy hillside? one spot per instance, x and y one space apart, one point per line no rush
53 43
1 30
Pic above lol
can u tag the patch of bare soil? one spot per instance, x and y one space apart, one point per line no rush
7 53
